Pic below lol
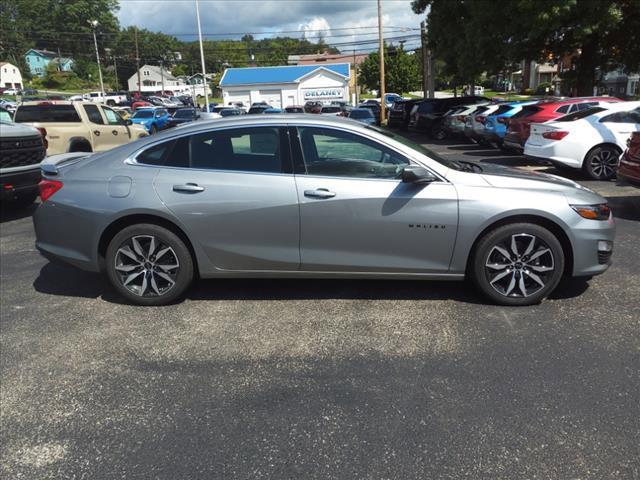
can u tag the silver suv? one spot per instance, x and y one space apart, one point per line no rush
313 196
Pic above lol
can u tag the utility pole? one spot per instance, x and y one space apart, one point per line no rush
383 107
135 33
428 88
204 72
115 71
94 25
355 73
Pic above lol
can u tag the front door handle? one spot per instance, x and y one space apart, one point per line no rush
96 133
115 132
188 188
319 193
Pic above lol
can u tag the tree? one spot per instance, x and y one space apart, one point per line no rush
402 71
474 36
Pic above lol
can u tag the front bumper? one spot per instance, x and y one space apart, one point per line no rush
16 185
589 256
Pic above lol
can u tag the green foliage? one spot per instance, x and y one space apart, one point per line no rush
402 71
542 89
492 35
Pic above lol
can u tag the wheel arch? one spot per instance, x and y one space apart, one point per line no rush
133 219
79 141
602 144
553 227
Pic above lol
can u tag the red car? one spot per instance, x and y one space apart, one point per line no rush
629 168
519 125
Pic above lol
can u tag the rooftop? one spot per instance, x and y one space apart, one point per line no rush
281 74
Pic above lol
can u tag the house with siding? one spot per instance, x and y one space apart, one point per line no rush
38 60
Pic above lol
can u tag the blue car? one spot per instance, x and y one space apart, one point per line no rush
495 127
152 119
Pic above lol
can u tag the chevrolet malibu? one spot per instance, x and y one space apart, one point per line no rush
313 197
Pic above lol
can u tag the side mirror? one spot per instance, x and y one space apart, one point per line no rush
128 122
417 175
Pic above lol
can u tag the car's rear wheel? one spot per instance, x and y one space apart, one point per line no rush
601 163
149 265
517 264
153 130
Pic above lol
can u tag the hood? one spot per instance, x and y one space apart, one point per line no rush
17 130
506 177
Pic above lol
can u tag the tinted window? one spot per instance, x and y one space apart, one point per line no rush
526 112
143 114
622 117
425 107
336 153
242 149
94 114
155 155
503 109
188 113
361 113
585 106
330 109
294 110
47 113
563 109
230 112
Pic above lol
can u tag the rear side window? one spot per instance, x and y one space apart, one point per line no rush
622 117
425 107
255 149
563 109
47 113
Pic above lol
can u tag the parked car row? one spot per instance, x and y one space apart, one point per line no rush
587 133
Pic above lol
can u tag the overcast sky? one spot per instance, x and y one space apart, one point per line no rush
341 21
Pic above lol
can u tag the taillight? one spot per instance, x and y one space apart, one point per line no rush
481 119
48 188
555 135
43 132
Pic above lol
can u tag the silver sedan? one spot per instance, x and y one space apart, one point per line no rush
310 196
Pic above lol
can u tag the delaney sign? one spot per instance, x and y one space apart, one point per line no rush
323 93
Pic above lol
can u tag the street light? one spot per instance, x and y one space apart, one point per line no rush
94 25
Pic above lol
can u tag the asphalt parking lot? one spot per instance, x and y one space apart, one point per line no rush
320 378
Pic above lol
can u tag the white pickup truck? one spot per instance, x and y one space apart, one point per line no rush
108 98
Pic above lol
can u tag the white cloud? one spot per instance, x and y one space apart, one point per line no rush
315 28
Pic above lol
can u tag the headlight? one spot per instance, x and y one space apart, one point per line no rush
593 212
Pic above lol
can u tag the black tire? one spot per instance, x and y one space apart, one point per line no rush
80 146
153 130
601 163
152 286
438 133
111 103
526 271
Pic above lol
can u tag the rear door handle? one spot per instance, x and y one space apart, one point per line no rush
115 132
319 193
188 188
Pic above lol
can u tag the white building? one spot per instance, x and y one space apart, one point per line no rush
10 76
287 85
153 77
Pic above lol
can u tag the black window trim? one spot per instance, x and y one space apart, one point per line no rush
285 149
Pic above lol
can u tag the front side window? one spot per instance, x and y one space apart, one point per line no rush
622 117
94 114
112 117
335 153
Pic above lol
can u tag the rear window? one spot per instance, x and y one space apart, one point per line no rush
425 107
503 109
47 113
330 109
526 112
580 114
361 113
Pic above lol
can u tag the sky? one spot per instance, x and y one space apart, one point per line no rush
338 21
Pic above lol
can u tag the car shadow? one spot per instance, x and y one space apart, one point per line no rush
627 208
61 280
11 212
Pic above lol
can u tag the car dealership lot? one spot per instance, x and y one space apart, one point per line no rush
320 378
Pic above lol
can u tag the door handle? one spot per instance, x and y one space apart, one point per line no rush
115 132
188 188
96 133
319 193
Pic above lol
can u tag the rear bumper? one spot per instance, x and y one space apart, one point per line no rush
19 184
550 154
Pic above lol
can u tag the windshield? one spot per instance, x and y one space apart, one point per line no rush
361 113
5 117
184 114
143 114
579 115
419 148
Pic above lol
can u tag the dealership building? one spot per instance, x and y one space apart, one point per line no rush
287 85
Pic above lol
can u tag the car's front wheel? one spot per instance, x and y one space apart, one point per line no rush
149 265
517 264
153 130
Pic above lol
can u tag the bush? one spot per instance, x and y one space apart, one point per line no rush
527 91
542 89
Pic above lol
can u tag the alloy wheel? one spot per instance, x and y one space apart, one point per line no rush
519 266
603 164
146 266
